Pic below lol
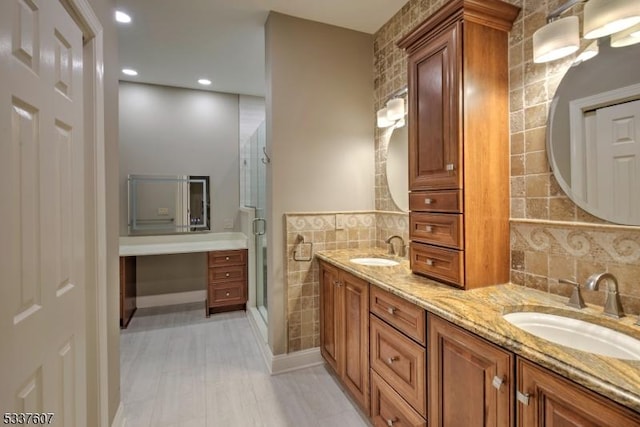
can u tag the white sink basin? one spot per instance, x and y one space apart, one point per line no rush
577 334
374 262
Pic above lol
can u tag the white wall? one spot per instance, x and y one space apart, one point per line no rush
320 124
166 130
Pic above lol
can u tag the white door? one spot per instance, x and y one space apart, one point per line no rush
42 289
618 174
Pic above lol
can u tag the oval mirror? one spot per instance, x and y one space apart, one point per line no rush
397 167
593 134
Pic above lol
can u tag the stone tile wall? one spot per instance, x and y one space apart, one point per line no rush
552 238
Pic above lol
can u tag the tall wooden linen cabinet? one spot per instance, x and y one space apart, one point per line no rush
459 143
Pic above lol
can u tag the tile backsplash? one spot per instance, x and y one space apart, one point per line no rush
352 230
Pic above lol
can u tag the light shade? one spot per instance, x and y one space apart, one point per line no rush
557 39
129 72
591 51
122 17
627 37
204 82
395 109
605 17
383 121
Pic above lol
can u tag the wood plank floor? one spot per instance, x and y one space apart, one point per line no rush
179 368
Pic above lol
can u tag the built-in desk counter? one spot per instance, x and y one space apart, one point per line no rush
134 246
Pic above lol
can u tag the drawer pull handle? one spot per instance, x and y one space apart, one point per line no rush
449 167
523 397
391 310
428 201
227 259
390 421
497 382
390 360
428 229
228 294
227 274
430 262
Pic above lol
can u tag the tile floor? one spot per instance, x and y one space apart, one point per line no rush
179 368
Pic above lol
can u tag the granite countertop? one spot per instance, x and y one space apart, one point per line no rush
480 311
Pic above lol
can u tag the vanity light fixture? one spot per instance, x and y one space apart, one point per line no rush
606 17
556 40
122 17
382 119
204 82
561 36
129 72
590 52
627 37
392 114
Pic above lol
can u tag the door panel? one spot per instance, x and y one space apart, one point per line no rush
42 299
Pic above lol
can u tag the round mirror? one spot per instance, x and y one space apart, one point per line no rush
397 164
593 134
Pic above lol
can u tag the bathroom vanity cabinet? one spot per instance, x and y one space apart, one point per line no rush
344 329
466 368
426 370
548 400
398 361
459 143
470 379
227 284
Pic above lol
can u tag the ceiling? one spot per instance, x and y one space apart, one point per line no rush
176 42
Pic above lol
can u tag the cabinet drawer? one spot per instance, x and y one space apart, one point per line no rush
436 201
438 229
400 362
227 273
403 315
388 408
227 294
439 263
220 258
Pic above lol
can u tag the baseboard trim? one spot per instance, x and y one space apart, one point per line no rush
297 360
171 299
260 333
119 419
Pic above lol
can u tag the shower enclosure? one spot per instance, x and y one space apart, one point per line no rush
254 161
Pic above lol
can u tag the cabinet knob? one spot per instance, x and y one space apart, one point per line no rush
450 167
390 421
523 397
226 258
227 294
390 360
391 310
428 201
227 275
497 382
428 229
337 283
430 262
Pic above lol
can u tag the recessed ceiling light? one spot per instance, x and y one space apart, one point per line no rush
205 82
122 17
129 72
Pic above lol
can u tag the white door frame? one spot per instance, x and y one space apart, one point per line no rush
93 54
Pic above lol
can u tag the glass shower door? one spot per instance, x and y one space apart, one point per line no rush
255 179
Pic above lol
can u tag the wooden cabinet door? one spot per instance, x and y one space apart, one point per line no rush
434 88
546 399
470 380
356 337
330 321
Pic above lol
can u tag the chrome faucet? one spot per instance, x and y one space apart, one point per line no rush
392 251
612 305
